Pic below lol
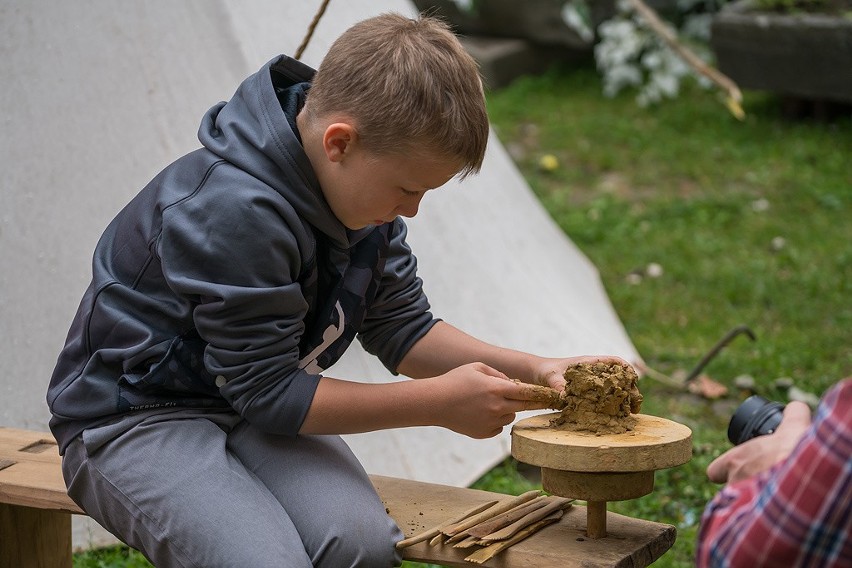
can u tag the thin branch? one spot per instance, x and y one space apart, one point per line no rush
735 97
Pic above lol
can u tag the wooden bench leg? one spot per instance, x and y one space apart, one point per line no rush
34 538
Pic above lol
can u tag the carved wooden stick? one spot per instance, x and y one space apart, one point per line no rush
556 504
555 399
485 554
507 518
735 97
515 512
467 542
436 530
499 507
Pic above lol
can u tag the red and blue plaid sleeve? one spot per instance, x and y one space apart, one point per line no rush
797 514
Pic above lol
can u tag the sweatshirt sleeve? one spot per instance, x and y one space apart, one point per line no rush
239 259
400 314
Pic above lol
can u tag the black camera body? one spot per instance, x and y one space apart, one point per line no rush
756 416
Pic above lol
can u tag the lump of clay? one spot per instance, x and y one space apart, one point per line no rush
600 398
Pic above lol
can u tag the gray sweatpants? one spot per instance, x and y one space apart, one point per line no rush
195 489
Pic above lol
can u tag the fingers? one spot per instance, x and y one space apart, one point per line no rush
504 421
552 371
717 471
521 405
523 396
507 419
517 399
491 434
600 359
737 463
797 416
555 379
490 371
763 452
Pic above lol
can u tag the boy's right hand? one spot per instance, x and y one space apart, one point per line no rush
479 401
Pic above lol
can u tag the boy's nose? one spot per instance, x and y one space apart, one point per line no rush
410 207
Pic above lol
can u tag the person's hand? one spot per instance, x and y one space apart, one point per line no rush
551 372
762 452
479 401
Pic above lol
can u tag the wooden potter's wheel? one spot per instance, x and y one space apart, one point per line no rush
600 468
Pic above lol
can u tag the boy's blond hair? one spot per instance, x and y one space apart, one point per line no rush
409 86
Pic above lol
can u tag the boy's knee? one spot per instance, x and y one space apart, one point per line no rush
366 543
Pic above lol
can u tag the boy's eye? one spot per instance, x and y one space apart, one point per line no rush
406 192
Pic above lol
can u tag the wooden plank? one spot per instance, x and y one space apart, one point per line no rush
35 478
50 459
26 445
34 538
417 506
37 485
24 437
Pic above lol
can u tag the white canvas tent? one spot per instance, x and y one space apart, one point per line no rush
96 97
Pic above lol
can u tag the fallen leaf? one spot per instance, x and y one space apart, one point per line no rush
703 385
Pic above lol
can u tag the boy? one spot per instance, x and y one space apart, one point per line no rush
189 402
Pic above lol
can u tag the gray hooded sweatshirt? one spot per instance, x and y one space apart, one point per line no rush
227 282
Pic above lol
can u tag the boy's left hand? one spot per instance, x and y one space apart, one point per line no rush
551 372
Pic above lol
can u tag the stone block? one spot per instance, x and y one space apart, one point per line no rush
502 60
803 55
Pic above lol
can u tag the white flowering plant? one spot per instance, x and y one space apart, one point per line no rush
629 54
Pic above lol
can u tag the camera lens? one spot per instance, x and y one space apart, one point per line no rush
756 416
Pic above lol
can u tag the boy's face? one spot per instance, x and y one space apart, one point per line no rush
368 189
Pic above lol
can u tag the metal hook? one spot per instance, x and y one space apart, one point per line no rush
741 329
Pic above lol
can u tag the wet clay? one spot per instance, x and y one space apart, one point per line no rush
598 398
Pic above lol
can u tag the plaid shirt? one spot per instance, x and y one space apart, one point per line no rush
796 514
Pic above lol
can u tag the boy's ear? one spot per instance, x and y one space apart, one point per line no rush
338 140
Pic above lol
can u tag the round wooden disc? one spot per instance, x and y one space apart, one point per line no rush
597 486
655 443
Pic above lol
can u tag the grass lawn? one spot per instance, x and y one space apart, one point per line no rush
749 222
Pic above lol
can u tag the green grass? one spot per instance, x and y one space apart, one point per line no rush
688 187
111 557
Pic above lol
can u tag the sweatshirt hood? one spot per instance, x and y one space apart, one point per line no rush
252 131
